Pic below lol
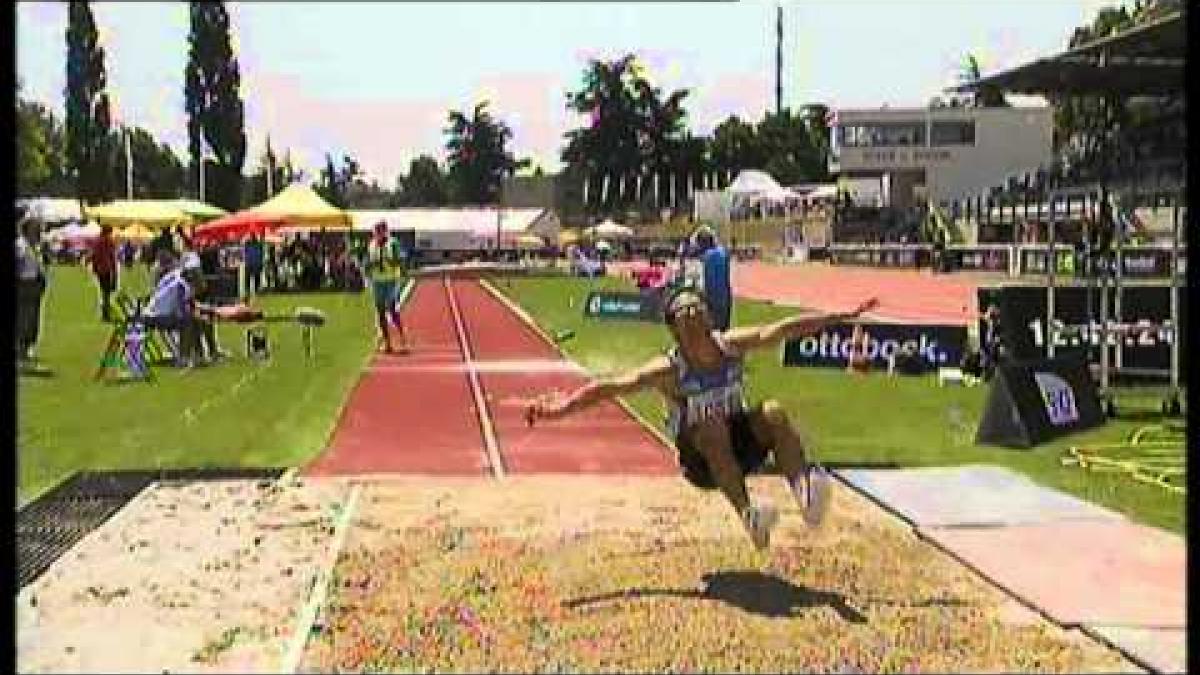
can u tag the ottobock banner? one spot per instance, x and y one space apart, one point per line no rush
1025 334
937 346
628 306
1035 401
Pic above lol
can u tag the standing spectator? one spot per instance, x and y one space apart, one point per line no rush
31 286
253 255
718 289
384 269
991 347
104 266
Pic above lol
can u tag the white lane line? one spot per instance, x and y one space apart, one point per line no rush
320 588
485 417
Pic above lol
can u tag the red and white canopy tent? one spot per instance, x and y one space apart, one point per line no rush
237 226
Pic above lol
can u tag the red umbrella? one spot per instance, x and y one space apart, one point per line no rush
236 226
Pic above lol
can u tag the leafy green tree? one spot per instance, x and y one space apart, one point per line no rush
88 153
735 147
425 184
213 103
335 181
158 172
985 97
632 129
478 158
790 154
41 152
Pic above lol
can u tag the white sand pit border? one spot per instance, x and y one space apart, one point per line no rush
189 577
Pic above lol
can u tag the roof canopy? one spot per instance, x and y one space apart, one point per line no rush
1146 60
149 213
301 206
199 211
237 226
754 182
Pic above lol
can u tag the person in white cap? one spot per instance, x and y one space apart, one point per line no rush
173 307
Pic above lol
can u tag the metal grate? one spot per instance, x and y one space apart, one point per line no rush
56 521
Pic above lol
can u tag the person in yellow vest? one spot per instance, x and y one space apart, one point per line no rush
385 266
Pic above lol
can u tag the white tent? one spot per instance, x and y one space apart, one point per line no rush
52 210
609 228
752 182
74 233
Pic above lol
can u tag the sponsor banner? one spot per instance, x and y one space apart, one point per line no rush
936 346
1026 336
1033 261
980 259
1035 401
628 306
898 256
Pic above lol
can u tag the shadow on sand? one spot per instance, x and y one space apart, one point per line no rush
750 591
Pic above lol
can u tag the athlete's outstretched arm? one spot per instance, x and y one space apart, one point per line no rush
595 391
755 337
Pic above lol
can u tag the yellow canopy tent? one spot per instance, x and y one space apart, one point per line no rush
199 211
568 237
148 213
302 207
136 232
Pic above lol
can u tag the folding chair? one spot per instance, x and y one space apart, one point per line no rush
161 345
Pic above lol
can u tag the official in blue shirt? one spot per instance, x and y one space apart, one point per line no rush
718 289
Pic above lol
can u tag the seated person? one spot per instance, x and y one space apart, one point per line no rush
173 307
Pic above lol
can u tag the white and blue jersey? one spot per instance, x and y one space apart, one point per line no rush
706 395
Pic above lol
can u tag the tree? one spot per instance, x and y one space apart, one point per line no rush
425 184
335 181
41 152
632 128
478 159
790 154
987 96
216 116
158 172
735 146
88 154
257 184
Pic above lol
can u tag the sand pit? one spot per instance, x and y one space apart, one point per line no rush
202 577
623 574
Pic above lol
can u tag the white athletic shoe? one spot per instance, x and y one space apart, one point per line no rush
759 520
812 491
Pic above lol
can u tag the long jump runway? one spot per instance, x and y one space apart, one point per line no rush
454 406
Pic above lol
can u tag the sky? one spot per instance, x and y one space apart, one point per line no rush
376 79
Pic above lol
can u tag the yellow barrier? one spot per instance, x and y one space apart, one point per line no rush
1149 461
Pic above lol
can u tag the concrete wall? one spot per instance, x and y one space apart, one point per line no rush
1008 142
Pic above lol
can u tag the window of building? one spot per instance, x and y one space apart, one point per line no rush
953 132
894 134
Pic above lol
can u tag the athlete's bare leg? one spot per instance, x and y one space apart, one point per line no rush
774 430
712 440
384 335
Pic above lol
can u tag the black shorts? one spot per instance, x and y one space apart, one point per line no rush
747 449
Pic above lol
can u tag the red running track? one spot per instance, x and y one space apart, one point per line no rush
603 439
904 295
405 416
415 414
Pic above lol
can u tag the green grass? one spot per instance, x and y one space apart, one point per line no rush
237 413
872 420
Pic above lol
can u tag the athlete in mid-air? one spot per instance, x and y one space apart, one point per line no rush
719 438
